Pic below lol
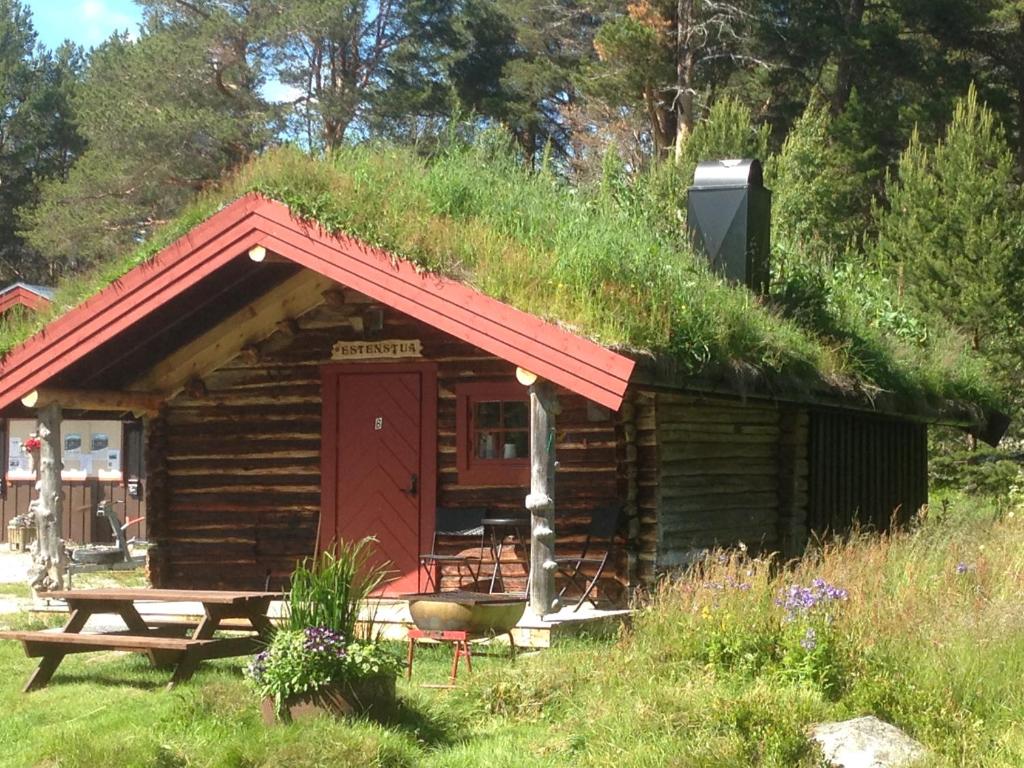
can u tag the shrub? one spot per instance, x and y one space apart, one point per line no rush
331 589
302 661
326 641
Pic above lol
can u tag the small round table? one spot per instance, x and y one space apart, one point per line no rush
500 528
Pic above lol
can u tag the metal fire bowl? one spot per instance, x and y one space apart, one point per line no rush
466 612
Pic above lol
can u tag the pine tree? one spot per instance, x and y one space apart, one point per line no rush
954 226
38 137
165 116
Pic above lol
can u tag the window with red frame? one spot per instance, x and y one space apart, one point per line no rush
493 433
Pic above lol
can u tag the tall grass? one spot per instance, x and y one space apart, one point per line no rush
331 589
712 674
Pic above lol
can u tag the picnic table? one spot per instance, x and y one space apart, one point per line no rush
157 639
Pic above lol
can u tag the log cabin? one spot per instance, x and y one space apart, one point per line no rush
296 385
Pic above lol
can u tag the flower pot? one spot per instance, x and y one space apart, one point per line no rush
374 696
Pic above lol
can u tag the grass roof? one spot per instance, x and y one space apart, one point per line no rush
584 258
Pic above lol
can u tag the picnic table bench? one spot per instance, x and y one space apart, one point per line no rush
155 638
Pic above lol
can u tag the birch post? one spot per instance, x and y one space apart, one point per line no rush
48 559
541 500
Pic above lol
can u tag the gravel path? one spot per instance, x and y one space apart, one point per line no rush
13 566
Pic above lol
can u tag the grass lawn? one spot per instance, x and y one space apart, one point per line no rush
923 629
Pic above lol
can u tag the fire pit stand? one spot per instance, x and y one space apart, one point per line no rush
460 641
461 618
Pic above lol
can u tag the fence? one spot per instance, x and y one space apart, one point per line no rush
81 500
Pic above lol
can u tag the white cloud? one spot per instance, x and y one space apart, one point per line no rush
276 92
100 20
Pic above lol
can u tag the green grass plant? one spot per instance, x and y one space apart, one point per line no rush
588 258
329 590
929 636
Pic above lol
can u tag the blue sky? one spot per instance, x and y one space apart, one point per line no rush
90 22
87 22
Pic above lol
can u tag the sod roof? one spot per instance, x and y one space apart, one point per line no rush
583 259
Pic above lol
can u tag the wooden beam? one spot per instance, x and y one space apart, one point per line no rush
95 400
220 344
46 572
541 501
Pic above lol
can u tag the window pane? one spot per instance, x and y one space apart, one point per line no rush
486 445
516 415
517 445
488 415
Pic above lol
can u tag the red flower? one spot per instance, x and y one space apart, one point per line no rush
32 444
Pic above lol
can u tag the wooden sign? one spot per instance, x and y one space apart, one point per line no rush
365 350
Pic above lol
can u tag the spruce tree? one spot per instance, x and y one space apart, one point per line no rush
954 227
823 181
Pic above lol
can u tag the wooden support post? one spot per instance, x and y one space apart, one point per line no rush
48 559
138 403
541 500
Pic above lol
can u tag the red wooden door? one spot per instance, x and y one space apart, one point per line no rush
378 463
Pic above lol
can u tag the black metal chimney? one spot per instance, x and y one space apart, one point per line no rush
728 213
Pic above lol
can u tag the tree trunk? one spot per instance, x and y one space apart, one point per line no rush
684 75
48 560
847 55
1018 67
541 500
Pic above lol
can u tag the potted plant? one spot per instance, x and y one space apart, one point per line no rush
326 657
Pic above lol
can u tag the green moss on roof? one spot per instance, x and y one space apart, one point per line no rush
580 258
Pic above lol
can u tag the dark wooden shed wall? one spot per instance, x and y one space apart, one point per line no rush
865 471
234 474
723 471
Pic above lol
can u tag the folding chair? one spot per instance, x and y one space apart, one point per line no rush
598 547
455 527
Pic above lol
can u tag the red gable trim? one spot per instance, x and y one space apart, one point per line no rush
566 359
19 296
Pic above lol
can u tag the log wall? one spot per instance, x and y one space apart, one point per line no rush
727 472
769 475
234 467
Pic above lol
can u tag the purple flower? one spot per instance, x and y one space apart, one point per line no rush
962 568
325 640
798 599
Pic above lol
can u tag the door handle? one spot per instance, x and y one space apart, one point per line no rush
413 483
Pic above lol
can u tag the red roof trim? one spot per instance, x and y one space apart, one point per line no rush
20 296
521 338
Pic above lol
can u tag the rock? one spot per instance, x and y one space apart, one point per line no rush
866 742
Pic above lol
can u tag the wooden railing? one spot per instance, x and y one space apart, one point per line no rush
81 500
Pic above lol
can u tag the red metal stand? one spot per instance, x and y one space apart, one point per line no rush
460 640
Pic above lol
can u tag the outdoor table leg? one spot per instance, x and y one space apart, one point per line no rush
256 613
208 625
455 664
49 663
409 656
76 621
185 668
42 674
137 625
